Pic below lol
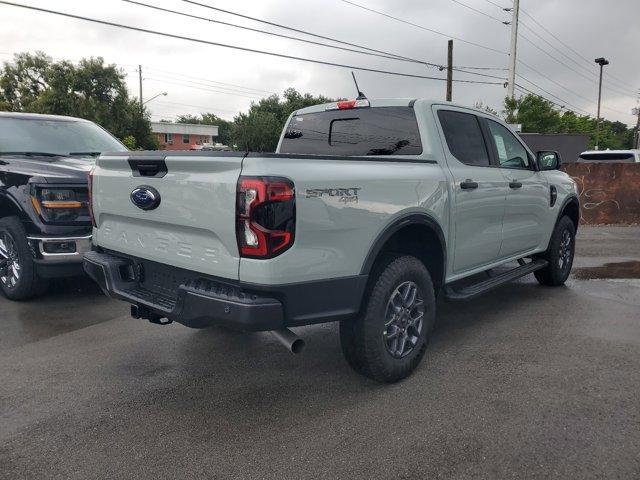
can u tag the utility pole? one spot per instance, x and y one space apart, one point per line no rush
449 70
602 62
637 136
140 79
512 50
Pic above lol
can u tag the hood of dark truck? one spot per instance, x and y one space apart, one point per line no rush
47 169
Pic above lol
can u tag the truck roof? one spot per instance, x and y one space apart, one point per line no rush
40 116
391 102
632 150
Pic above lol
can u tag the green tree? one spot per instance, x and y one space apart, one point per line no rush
539 115
91 90
534 113
259 129
225 127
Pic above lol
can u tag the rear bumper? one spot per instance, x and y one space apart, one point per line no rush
198 301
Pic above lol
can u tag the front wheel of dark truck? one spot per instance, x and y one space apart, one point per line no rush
18 277
387 341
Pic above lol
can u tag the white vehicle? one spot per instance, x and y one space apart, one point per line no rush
619 156
366 212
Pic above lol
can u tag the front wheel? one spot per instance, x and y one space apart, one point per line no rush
559 255
389 338
18 278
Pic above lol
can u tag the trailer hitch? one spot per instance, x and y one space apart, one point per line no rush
140 311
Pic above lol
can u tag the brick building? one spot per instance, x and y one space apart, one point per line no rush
183 136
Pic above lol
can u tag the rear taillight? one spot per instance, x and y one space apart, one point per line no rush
90 199
265 216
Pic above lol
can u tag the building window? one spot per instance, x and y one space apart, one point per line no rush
185 138
168 138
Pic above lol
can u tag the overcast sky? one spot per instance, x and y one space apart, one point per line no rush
591 28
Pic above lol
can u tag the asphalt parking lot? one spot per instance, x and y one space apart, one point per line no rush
526 382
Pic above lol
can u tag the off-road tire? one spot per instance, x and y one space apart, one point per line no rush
362 340
557 272
29 284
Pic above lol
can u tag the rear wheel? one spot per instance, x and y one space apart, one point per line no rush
388 340
18 278
559 255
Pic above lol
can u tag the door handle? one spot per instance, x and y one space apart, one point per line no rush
468 184
515 184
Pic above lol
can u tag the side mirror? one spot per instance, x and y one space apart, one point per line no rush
548 160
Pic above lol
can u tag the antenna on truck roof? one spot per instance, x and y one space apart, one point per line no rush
361 96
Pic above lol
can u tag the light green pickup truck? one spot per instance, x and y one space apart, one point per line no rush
367 212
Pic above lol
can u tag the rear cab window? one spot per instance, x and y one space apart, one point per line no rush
354 132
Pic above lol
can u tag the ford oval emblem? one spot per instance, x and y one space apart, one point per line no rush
145 197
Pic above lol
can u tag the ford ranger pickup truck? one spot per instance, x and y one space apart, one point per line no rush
366 213
44 220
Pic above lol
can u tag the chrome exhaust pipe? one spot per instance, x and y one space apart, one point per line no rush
290 340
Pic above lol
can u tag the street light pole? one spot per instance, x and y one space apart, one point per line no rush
164 94
602 62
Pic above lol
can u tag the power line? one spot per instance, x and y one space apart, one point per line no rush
534 32
312 42
553 81
213 87
535 45
237 47
377 53
221 84
397 19
479 68
506 9
549 93
560 106
481 12
591 80
570 90
304 32
205 107
197 87
579 65
588 61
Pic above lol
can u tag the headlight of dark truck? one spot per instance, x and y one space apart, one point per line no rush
61 204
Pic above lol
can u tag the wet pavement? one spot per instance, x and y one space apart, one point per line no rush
525 382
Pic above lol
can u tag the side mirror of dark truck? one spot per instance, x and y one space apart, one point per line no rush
548 160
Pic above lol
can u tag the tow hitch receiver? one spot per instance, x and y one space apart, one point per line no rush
140 311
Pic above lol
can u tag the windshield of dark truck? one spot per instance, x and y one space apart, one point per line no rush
61 137
359 131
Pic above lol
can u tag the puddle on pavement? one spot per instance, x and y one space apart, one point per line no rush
609 270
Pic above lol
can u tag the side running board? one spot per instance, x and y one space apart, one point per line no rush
471 291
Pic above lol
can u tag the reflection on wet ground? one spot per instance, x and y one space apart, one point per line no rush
609 270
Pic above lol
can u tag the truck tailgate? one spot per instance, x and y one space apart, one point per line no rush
193 226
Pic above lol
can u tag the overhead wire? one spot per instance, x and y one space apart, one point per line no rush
422 27
312 42
237 47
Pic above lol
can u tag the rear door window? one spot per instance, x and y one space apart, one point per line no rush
355 132
464 137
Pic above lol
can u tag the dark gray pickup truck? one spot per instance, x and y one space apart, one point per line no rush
44 219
